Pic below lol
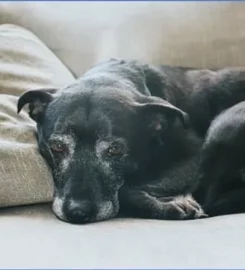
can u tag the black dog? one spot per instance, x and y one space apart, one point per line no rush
120 138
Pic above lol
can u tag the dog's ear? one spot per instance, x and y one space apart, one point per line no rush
37 100
162 107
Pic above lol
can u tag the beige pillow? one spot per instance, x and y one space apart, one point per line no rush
25 63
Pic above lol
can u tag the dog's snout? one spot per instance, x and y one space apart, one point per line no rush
78 212
83 211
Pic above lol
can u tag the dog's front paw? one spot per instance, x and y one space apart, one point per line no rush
184 207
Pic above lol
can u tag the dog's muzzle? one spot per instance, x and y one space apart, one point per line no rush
82 211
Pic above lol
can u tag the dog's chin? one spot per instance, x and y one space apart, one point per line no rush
105 210
57 207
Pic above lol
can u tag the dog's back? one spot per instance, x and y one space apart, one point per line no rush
202 93
222 190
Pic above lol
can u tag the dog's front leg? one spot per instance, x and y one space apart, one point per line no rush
139 203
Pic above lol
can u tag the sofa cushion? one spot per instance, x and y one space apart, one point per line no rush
25 63
31 237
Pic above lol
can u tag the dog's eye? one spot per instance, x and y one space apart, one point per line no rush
58 147
115 150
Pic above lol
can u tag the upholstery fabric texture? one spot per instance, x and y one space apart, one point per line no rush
25 64
31 237
193 34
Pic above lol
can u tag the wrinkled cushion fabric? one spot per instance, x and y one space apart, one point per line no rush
25 63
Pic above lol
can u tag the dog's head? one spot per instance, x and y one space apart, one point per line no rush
94 133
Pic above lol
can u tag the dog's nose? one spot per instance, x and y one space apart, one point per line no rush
78 212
